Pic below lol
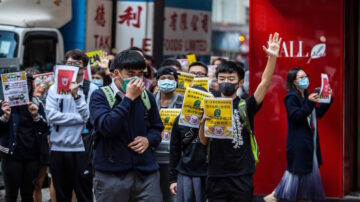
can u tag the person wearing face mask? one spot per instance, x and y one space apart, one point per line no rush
166 98
98 76
200 70
301 180
167 82
128 128
232 162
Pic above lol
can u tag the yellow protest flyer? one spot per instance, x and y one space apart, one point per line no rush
184 80
191 57
192 111
168 117
94 56
220 112
203 82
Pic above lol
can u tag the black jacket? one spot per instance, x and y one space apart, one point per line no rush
300 136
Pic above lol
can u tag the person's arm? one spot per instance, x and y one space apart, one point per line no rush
106 120
175 151
54 116
5 113
296 111
272 50
203 139
40 121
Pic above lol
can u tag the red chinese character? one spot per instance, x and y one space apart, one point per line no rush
183 22
128 16
100 15
173 21
205 22
194 22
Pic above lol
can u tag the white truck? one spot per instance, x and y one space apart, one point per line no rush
29 31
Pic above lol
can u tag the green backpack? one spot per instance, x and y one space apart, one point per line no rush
245 119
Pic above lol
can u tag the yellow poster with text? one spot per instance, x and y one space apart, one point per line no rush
192 111
184 80
94 56
168 117
203 82
220 112
191 57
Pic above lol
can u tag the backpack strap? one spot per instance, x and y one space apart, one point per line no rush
86 88
109 94
145 99
245 119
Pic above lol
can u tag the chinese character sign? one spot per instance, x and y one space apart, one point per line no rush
134 25
192 107
220 112
203 82
15 88
168 117
187 31
184 80
98 25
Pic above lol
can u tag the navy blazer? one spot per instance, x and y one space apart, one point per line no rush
116 127
300 138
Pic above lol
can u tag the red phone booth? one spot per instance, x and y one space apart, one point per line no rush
312 33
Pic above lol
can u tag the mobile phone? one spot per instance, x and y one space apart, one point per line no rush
317 90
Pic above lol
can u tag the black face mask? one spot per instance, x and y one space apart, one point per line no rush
227 89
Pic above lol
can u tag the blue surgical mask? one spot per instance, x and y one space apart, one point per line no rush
166 85
98 82
303 83
127 81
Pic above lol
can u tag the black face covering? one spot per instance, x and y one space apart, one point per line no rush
227 89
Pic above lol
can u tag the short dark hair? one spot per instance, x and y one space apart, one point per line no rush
171 62
199 64
98 70
149 57
137 49
291 77
221 60
230 67
167 70
77 54
129 59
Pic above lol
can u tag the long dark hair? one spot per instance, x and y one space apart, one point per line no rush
291 77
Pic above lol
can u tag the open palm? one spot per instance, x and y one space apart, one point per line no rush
273 45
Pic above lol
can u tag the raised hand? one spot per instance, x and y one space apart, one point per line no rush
273 45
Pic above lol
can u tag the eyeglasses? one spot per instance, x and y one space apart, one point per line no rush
302 77
74 63
198 74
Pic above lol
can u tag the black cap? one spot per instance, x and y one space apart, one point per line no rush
166 70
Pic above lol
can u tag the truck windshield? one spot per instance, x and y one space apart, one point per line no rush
8 44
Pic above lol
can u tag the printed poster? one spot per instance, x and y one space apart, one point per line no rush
94 56
168 117
64 75
220 112
42 83
15 88
192 111
184 80
203 82
324 96
191 57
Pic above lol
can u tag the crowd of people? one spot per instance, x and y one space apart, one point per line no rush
103 142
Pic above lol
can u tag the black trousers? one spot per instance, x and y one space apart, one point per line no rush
230 189
70 171
19 174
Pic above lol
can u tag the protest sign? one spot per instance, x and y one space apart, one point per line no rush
203 82
220 112
64 75
15 88
192 107
95 56
324 95
168 117
184 80
42 83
